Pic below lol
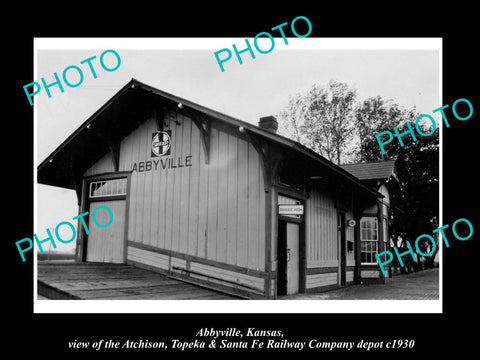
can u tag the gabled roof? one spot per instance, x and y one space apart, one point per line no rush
378 170
126 110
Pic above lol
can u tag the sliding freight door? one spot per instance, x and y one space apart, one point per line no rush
106 222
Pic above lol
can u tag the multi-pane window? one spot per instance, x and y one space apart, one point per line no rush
369 239
110 187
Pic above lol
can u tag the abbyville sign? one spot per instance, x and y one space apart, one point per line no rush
160 147
163 164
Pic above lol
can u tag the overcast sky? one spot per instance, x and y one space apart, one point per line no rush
406 71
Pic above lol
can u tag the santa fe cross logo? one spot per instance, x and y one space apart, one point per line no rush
161 141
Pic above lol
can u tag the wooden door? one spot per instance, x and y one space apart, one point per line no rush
293 258
106 244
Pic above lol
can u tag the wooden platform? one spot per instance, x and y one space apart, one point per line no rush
95 281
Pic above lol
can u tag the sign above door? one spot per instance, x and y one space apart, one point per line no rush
290 209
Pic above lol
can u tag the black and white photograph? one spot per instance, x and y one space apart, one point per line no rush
265 181
262 184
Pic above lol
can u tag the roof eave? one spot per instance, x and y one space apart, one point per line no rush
86 123
296 146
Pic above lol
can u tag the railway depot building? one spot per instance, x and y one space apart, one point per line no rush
207 198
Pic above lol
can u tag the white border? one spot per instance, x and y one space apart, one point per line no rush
219 43
237 306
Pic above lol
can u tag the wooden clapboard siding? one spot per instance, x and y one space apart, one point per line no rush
105 164
319 280
242 206
232 203
224 274
178 264
138 186
370 273
184 189
176 184
214 211
256 212
154 259
212 202
142 256
286 200
148 191
156 233
386 200
321 230
222 197
194 241
350 276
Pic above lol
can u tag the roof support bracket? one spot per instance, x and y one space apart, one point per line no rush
115 152
113 145
159 111
76 178
203 125
158 114
270 160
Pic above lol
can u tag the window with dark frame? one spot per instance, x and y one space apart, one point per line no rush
369 239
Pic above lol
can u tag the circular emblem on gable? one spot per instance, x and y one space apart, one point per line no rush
161 142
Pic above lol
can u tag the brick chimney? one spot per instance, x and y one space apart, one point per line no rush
268 123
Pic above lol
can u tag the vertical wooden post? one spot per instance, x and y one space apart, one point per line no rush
357 246
270 160
358 254
381 244
76 178
303 253
81 246
269 200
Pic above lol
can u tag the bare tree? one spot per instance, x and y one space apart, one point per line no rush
322 119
